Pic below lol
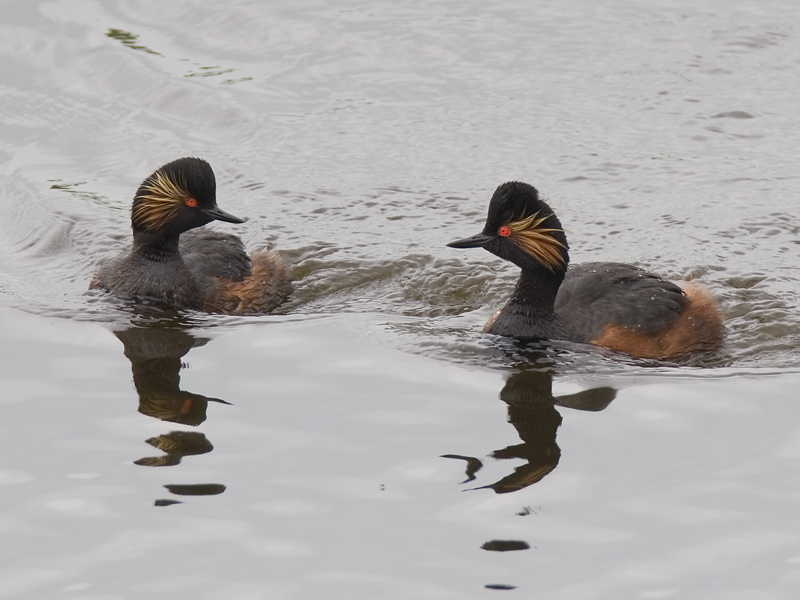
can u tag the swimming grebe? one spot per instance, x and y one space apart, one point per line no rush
614 305
201 270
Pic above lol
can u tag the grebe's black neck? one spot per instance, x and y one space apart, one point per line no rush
155 246
530 312
537 289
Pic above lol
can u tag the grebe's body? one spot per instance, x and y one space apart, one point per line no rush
614 305
174 264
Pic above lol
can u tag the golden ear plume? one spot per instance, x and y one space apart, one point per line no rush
536 240
160 205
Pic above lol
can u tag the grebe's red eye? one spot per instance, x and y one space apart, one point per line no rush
191 202
504 231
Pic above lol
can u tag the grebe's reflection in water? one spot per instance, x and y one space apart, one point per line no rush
532 412
156 350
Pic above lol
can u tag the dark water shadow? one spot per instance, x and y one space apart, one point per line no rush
156 343
533 412
528 392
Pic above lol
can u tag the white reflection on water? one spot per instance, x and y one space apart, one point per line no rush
325 487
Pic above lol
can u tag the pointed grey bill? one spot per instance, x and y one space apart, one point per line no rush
476 241
218 214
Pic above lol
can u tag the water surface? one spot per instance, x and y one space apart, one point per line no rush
366 441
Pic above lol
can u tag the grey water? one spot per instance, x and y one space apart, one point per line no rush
365 440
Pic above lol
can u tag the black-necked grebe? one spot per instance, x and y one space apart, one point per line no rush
614 305
202 270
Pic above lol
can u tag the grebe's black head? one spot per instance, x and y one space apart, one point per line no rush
178 197
523 229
